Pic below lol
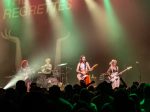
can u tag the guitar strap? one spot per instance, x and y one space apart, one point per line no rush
85 65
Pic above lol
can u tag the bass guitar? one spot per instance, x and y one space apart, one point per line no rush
83 74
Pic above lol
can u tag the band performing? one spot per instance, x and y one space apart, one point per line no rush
47 76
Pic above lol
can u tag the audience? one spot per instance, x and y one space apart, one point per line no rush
76 98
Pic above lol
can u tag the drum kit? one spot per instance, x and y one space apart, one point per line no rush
55 77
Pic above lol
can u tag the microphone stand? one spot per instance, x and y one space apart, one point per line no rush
66 79
139 69
66 75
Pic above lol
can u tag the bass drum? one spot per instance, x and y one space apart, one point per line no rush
52 81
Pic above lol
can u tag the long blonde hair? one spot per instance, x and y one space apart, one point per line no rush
113 61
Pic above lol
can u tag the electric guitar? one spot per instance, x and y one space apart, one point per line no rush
115 76
83 74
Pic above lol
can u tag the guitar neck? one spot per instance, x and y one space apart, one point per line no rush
123 71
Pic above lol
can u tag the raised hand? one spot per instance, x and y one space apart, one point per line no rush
7 35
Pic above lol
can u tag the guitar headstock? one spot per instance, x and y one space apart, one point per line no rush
129 67
95 65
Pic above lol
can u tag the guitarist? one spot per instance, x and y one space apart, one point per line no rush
83 68
113 69
26 72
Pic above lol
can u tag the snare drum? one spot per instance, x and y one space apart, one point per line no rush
56 73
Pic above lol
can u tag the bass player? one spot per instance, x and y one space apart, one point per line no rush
83 69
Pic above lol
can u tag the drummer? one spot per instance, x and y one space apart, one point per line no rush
47 68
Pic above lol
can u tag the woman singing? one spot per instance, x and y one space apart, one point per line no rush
26 72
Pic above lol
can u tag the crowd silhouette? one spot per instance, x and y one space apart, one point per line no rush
76 98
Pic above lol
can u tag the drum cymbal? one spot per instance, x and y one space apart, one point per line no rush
62 64
10 76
